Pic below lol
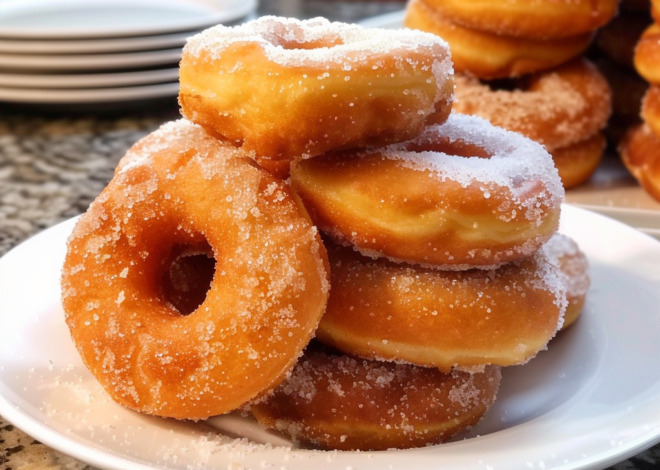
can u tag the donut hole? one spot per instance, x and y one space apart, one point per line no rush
459 148
305 43
187 277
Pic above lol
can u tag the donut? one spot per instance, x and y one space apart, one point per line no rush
565 252
181 192
577 162
640 152
618 39
285 88
557 108
338 402
529 19
443 319
489 55
647 54
463 194
651 108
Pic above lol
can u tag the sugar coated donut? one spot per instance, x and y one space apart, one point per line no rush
180 193
647 54
563 251
577 162
557 108
532 19
651 108
286 88
381 310
337 402
489 55
463 194
640 152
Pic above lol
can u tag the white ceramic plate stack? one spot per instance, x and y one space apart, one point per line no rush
101 51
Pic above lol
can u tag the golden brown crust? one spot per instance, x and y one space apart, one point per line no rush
180 189
640 152
332 87
531 19
577 162
381 310
488 55
557 108
337 402
647 54
651 108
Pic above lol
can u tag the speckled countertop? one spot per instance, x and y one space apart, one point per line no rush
52 167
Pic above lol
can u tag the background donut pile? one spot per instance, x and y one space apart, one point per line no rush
639 147
517 66
440 241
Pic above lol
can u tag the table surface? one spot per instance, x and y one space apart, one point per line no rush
52 166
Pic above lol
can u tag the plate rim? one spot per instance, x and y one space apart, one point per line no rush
237 10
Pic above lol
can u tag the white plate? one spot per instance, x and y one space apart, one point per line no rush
91 95
83 62
89 80
69 19
589 401
88 46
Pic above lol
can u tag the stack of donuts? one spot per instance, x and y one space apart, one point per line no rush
640 146
195 282
518 66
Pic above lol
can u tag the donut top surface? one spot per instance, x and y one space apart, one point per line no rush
338 46
493 157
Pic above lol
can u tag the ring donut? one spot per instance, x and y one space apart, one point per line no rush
647 54
557 108
530 19
443 319
337 402
181 192
640 152
329 85
424 202
488 55
577 162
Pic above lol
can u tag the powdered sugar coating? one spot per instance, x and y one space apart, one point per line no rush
513 160
564 251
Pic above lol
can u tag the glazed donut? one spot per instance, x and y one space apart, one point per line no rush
182 192
488 55
640 152
647 54
651 108
577 162
285 88
557 108
564 252
337 402
530 19
443 319
424 202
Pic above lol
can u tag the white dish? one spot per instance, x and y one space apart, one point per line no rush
90 95
85 62
589 401
89 80
88 46
69 19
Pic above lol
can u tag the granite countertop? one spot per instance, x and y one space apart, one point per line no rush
52 167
